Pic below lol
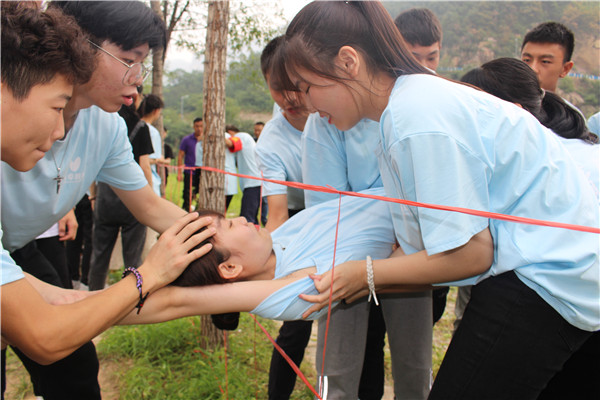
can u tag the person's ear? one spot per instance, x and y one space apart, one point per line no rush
348 60
230 271
566 69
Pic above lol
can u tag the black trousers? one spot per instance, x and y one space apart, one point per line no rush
511 344
293 338
79 251
188 184
73 377
250 204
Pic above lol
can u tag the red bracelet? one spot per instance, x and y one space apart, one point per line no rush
138 284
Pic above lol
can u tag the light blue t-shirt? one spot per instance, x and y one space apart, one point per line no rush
246 161
231 182
344 160
445 143
278 157
157 146
96 148
587 157
10 271
593 123
307 240
199 154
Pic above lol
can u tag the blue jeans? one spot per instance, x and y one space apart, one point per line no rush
509 344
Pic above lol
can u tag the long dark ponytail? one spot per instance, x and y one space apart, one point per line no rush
512 80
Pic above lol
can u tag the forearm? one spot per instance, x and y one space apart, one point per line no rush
173 302
145 165
48 333
419 269
278 211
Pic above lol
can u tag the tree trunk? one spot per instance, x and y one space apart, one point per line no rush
212 185
158 65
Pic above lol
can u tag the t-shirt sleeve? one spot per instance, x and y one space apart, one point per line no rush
120 169
453 177
272 167
142 143
286 305
10 270
324 161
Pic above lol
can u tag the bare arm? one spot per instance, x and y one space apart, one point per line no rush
406 272
173 302
47 333
145 165
278 211
150 209
67 226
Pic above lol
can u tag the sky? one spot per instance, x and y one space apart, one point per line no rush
188 61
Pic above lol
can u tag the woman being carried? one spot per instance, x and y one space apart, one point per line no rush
251 270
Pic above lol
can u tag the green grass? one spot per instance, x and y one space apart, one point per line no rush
165 361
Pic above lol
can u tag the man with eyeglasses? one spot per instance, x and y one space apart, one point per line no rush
95 148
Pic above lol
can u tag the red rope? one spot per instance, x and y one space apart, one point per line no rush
288 359
226 376
478 213
330 292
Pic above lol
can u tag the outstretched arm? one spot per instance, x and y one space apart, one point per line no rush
47 333
174 302
405 272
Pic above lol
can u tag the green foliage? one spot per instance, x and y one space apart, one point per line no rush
166 361
246 84
246 92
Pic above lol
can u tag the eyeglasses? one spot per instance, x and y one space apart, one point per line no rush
136 73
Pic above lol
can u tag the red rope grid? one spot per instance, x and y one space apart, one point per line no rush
478 213
329 189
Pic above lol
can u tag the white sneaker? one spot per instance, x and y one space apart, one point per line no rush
75 284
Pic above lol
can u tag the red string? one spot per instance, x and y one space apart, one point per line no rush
287 358
478 213
226 376
330 291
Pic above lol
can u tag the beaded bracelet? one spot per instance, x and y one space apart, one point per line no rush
370 281
138 284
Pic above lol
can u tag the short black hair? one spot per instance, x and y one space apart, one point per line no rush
197 119
419 26
552 32
231 128
150 103
36 46
268 53
127 24
259 123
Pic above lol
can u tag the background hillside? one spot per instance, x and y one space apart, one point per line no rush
474 33
479 31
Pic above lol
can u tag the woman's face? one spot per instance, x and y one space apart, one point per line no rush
250 245
331 99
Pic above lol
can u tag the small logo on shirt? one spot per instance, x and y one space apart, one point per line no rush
75 164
